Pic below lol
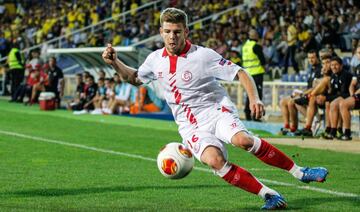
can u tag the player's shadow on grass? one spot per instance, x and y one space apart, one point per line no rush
79 191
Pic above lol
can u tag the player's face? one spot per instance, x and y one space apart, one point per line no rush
174 35
325 66
358 53
78 79
312 58
52 62
335 66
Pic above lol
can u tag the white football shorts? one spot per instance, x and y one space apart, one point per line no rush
215 132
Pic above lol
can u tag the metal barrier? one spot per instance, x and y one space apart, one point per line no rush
273 91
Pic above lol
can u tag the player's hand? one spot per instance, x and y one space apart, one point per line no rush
109 55
257 109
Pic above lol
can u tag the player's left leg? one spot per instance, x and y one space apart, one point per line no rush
334 115
271 155
230 129
346 106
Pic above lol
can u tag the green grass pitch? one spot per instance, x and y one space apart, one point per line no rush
56 161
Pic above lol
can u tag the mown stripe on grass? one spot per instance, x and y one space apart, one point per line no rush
36 138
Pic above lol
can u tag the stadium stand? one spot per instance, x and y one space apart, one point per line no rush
221 25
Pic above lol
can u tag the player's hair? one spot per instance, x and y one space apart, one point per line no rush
312 51
54 58
91 77
173 15
337 59
326 57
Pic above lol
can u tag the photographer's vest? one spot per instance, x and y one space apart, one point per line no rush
250 60
13 62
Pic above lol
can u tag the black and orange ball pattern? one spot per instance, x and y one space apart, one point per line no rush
169 166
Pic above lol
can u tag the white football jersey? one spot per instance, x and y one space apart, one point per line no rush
190 81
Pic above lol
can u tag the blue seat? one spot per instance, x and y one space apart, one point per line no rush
292 78
285 78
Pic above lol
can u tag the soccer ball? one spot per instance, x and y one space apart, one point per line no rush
175 161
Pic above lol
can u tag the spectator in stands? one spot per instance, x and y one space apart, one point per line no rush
355 60
350 103
40 85
253 61
292 35
4 45
146 101
34 58
122 99
16 64
56 81
310 43
297 101
101 74
235 56
317 98
86 103
270 53
331 49
100 96
324 52
281 48
117 79
79 92
339 90
85 75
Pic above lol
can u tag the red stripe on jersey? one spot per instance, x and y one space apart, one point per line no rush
172 78
224 109
177 96
172 84
173 61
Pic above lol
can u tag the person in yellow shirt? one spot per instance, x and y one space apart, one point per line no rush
292 36
253 60
15 61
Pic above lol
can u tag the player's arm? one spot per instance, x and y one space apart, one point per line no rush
128 73
256 106
321 87
352 87
357 91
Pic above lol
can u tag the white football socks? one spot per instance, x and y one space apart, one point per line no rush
266 190
296 171
224 170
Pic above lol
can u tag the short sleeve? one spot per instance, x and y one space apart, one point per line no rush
145 71
220 67
61 74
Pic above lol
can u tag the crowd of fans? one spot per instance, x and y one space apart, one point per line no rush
287 29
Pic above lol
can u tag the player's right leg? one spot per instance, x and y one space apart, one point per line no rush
239 177
293 115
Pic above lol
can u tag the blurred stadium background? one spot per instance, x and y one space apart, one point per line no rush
75 32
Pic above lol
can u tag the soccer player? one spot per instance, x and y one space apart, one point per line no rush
207 119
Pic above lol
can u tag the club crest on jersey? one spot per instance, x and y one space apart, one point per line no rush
160 75
186 76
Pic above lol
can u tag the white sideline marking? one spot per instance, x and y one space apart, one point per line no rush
320 190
